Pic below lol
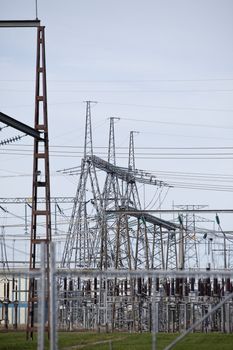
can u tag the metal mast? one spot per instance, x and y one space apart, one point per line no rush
131 159
83 236
124 248
111 142
41 212
111 201
88 146
132 195
189 220
139 240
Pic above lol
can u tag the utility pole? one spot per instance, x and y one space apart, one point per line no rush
181 244
40 187
41 176
224 242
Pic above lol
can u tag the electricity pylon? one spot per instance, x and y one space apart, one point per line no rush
84 233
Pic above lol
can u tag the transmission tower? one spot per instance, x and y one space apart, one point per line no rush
131 193
126 232
189 236
41 180
84 238
112 200
86 232
41 212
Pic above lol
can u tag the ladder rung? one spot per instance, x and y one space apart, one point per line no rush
40 98
40 183
40 212
40 155
40 127
39 240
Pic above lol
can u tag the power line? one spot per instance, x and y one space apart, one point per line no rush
122 91
121 80
125 147
167 175
188 173
194 109
136 153
178 123
77 150
139 156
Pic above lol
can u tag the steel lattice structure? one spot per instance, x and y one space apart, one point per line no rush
97 240
105 241
40 185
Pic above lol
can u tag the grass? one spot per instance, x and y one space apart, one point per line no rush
119 341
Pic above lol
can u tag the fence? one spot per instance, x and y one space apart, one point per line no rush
135 301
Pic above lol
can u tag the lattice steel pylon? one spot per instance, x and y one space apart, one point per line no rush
128 238
127 233
190 258
41 212
131 193
82 246
84 242
112 199
171 251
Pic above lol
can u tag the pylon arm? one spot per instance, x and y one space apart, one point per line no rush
147 218
19 126
19 23
125 174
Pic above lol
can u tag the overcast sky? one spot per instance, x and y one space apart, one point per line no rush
164 67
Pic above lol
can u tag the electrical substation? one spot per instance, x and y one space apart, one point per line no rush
120 263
